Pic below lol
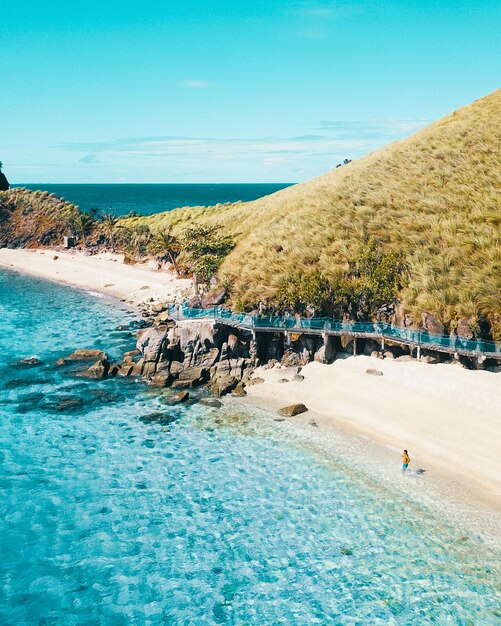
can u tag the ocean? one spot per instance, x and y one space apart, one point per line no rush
208 516
153 198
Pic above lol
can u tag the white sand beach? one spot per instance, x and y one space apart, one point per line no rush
105 273
449 418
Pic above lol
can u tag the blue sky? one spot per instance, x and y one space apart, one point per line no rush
229 90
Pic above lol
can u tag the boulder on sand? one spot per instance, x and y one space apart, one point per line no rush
292 410
373 372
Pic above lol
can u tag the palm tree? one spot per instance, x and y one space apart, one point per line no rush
167 245
109 222
82 225
139 240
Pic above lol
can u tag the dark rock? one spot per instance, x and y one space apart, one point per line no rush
270 364
31 398
292 358
292 410
83 355
427 358
103 396
212 402
162 379
30 361
178 398
4 183
215 297
100 369
162 419
239 391
195 302
64 403
191 377
298 378
223 385
131 354
283 380
114 369
432 324
152 343
464 328
256 380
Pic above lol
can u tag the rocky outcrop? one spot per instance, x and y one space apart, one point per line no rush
185 354
465 328
215 297
432 324
100 369
83 354
4 183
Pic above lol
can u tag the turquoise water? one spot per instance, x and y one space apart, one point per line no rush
147 199
211 517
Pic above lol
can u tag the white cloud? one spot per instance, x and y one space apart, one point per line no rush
295 157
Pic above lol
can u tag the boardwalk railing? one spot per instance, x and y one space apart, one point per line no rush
330 326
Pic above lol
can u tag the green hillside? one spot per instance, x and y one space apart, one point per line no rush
433 198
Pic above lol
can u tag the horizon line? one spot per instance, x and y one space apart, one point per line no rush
158 183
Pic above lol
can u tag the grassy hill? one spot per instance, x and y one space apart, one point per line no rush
33 218
434 197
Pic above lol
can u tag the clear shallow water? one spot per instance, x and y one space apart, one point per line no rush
146 199
215 518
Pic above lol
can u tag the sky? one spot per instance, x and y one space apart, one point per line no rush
229 90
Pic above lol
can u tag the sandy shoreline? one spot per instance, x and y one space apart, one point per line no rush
104 273
448 418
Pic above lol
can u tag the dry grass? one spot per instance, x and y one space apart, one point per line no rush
435 196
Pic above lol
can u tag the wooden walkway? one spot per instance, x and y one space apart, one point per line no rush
327 327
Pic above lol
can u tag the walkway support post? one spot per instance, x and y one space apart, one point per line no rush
354 346
419 346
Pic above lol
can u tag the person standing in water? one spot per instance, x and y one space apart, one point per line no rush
406 459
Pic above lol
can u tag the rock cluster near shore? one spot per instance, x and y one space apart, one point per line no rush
191 353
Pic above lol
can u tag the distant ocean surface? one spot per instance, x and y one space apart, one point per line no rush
153 198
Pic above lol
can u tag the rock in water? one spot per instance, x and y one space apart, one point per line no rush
83 354
292 410
178 398
100 369
212 402
30 361
162 419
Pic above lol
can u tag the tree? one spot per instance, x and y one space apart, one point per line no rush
380 276
109 222
167 245
205 250
299 292
82 225
138 240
